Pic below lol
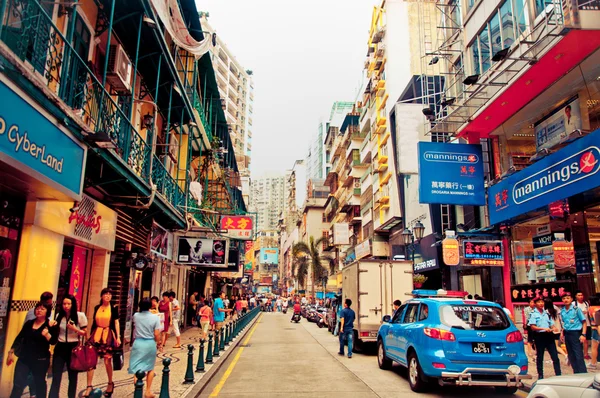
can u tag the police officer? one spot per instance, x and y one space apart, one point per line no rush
574 328
541 324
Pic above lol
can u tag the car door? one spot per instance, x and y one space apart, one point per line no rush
391 342
402 333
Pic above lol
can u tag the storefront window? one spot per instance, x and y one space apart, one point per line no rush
508 25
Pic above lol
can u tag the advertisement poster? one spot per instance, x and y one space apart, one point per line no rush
451 174
77 273
159 240
269 255
544 258
201 251
558 125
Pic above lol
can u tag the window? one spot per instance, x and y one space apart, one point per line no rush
411 313
423 312
496 37
470 4
520 16
508 26
540 6
484 48
475 59
398 314
474 317
455 15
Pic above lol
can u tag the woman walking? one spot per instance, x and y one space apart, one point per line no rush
105 336
205 314
32 346
165 308
147 341
71 327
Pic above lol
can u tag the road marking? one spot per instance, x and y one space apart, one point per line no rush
219 386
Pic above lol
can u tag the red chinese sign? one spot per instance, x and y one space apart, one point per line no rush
554 291
483 252
238 227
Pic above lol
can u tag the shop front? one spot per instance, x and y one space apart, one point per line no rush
551 210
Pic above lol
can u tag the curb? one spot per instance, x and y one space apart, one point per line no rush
198 387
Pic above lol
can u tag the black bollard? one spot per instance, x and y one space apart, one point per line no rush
216 345
222 346
209 355
200 365
227 335
139 384
189 372
164 387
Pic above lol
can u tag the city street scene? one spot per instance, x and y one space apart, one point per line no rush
317 198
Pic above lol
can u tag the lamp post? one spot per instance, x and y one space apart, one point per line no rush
411 240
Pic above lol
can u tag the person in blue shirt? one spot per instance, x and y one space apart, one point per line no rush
347 317
574 328
541 325
219 311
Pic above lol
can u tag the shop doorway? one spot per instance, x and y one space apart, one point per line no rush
74 272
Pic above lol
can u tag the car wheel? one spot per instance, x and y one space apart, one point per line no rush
415 374
384 362
506 390
357 344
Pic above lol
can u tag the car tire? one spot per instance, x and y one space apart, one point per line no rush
506 390
382 360
415 374
357 344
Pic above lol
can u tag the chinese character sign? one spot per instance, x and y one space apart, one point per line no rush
238 227
451 174
553 291
485 252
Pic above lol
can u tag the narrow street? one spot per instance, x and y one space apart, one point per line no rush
281 358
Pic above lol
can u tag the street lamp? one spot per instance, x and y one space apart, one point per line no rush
410 238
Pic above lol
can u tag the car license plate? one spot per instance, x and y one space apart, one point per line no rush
482 348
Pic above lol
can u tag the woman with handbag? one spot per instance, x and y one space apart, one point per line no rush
106 337
71 327
32 346
165 308
147 340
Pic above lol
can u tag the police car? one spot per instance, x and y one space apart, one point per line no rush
440 336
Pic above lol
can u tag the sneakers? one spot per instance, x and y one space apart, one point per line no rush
591 366
349 356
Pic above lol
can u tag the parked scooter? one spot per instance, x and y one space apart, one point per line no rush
296 318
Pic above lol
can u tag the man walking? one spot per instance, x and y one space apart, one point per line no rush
219 311
347 317
176 311
584 306
574 332
540 324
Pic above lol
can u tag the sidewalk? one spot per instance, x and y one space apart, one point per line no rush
549 369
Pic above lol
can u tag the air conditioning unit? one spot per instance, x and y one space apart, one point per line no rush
119 69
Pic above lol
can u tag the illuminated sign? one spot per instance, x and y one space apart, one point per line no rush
450 252
486 252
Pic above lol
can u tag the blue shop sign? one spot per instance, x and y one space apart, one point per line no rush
451 174
572 170
29 138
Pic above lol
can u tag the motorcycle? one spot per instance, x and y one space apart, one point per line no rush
296 318
284 310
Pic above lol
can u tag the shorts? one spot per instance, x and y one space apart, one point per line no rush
588 333
595 335
175 327
557 336
218 325
205 325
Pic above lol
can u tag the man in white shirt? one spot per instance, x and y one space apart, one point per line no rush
252 302
584 305
176 311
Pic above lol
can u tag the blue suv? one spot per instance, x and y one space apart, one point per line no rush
439 335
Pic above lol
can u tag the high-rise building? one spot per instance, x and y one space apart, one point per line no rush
267 200
237 93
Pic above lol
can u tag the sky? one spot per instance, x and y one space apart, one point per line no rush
305 55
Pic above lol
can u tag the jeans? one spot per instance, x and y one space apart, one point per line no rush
545 341
37 367
575 351
62 357
346 337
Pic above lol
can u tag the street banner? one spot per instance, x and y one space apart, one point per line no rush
202 251
451 174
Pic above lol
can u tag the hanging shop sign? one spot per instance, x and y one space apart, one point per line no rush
451 174
558 125
564 252
202 251
559 209
87 221
569 171
426 256
28 138
238 227
450 251
482 252
554 291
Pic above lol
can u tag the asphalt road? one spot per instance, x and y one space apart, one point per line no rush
278 358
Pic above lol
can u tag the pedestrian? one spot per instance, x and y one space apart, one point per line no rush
147 339
584 306
347 328
541 326
574 332
595 340
397 304
164 306
529 345
284 304
238 307
205 314
71 326
192 309
225 301
105 337
279 304
252 302
32 347
245 305
176 313
557 329
219 311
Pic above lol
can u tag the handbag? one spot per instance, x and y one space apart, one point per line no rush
84 357
117 357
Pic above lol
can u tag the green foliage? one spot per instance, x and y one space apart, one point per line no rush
308 257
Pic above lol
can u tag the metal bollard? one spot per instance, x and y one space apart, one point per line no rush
139 384
209 356
222 345
189 372
227 334
216 345
200 365
164 387
96 393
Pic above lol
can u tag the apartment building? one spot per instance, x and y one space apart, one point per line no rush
236 88
267 200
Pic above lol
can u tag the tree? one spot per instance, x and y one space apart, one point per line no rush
308 257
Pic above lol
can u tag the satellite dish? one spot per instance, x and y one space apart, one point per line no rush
196 190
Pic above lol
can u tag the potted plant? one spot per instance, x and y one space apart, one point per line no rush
418 280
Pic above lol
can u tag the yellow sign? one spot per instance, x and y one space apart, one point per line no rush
450 251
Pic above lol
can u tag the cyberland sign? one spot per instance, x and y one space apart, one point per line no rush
572 170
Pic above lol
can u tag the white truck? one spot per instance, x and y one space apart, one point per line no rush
373 285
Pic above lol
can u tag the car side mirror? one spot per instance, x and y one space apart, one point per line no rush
387 318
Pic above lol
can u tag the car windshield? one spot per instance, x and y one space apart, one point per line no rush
474 317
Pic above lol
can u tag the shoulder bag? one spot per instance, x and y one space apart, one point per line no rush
84 357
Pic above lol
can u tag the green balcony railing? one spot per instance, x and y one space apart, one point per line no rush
166 185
